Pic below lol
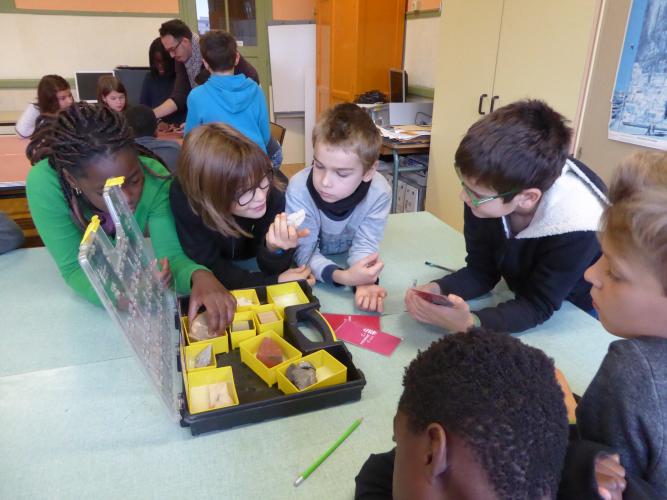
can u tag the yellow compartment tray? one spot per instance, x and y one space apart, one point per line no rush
199 389
277 326
218 346
246 299
238 336
249 348
286 294
329 371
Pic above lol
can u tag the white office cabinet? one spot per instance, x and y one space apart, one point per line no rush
498 51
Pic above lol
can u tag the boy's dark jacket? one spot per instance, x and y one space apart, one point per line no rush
374 481
218 252
544 264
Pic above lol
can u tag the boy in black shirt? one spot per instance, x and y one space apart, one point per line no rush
531 217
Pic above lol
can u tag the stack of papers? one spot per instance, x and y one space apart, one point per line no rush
407 133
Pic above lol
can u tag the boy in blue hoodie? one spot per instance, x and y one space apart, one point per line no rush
225 97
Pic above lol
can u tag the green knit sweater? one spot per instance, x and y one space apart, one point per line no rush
61 235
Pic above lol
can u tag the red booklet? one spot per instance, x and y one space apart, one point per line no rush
368 338
335 320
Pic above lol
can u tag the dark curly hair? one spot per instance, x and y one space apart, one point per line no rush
502 398
76 135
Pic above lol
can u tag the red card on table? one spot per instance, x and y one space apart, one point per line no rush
368 338
335 320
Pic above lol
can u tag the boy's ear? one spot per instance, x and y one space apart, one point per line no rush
370 172
437 451
528 198
238 58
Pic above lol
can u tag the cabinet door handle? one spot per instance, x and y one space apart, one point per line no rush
479 104
493 102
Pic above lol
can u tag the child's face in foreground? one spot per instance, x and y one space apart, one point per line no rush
627 296
100 168
251 204
65 99
115 100
337 173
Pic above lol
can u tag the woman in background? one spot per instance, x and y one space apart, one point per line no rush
159 82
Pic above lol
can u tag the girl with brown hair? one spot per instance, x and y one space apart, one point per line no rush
111 93
228 208
53 94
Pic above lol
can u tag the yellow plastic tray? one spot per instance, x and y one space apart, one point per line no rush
219 346
286 294
250 294
275 326
222 340
198 395
237 337
249 350
329 371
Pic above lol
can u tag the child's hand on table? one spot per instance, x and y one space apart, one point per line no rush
455 319
283 236
370 298
207 291
610 477
297 273
363 272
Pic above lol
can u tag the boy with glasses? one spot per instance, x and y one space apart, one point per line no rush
346 203
530 217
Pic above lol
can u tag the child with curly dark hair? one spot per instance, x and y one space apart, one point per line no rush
481 416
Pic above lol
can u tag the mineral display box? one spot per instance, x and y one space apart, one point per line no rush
253 400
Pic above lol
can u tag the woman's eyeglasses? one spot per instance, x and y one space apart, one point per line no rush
247 196
474 199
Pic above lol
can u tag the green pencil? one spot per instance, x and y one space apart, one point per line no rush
326 454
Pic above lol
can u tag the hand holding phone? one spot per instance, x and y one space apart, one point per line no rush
433 298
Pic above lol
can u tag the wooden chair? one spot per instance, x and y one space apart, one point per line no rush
277 132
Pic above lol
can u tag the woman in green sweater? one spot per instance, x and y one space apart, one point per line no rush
73 156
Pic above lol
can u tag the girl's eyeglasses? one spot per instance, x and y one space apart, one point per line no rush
247 196
474 199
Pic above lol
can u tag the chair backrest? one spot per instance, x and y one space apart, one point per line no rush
277 132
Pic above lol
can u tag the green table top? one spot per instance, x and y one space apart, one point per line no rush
78 418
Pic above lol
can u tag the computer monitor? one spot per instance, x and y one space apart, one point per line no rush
132 78
86 84
398 84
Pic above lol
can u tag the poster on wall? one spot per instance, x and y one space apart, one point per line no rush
639 101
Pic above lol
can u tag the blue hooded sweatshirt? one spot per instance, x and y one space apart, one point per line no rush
232 99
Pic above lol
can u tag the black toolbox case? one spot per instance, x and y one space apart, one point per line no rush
257 401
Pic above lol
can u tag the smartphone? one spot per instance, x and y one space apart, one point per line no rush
433 298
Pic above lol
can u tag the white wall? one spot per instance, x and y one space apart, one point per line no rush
421 46
36 45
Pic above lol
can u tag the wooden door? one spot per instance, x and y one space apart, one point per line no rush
543 52
344 72
381 40
468 40
323 13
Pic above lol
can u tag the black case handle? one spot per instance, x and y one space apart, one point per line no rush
308 313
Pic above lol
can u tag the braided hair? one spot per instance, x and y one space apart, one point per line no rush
76 135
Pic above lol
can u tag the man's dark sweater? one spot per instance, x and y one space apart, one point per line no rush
218 252
541 270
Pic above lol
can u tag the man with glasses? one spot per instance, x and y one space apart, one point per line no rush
183 46
530 217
